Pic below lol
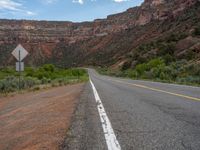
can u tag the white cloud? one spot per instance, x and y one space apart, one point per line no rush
119 1
30 13
49 1
78 1
11 6
82 1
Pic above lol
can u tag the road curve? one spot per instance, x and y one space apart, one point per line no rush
144 115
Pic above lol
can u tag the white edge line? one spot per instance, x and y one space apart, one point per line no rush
111 140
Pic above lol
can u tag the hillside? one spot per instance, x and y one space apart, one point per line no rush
123 39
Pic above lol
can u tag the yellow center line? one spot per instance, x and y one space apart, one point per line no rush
159 90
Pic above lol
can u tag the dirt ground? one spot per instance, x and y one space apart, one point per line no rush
37 120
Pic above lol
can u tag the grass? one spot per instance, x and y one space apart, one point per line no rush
35 78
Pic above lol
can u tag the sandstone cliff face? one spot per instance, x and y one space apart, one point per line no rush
161 9
45 39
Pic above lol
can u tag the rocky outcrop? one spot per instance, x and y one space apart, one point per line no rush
44 38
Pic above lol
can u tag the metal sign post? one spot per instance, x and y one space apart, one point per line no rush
19 70
19 53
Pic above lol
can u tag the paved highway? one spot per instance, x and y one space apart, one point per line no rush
116 113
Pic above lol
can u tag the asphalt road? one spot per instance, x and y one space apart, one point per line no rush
144 115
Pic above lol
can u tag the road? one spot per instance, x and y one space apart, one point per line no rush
143 115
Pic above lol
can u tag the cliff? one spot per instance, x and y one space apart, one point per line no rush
101 42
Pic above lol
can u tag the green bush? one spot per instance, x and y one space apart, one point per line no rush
6 72
154 63
166 48
168 59
29 71
45 80
131 73
11 83
29 82
190 79
141 68
45 74
49 68
193 69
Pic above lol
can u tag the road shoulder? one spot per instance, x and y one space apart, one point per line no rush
86 130
37 120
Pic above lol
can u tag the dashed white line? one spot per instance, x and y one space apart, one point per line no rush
111 140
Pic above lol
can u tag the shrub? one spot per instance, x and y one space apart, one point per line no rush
45 80
8 70
176 37
29 71
190 55
8 84
166 48
168 59
189 79
131 73
29 82
193 69
141 68
78 72
155 63
145 67
43 75
197 31
126 65
48 67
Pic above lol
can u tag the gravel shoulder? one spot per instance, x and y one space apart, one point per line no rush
37 120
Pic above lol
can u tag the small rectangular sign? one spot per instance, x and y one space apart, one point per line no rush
18 68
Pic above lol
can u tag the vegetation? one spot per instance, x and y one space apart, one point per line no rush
157 61
158 70
197 31
33 77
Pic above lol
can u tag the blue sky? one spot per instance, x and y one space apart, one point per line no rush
65 10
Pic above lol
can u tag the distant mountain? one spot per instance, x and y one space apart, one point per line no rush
123 39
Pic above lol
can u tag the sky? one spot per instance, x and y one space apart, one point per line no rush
63 10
